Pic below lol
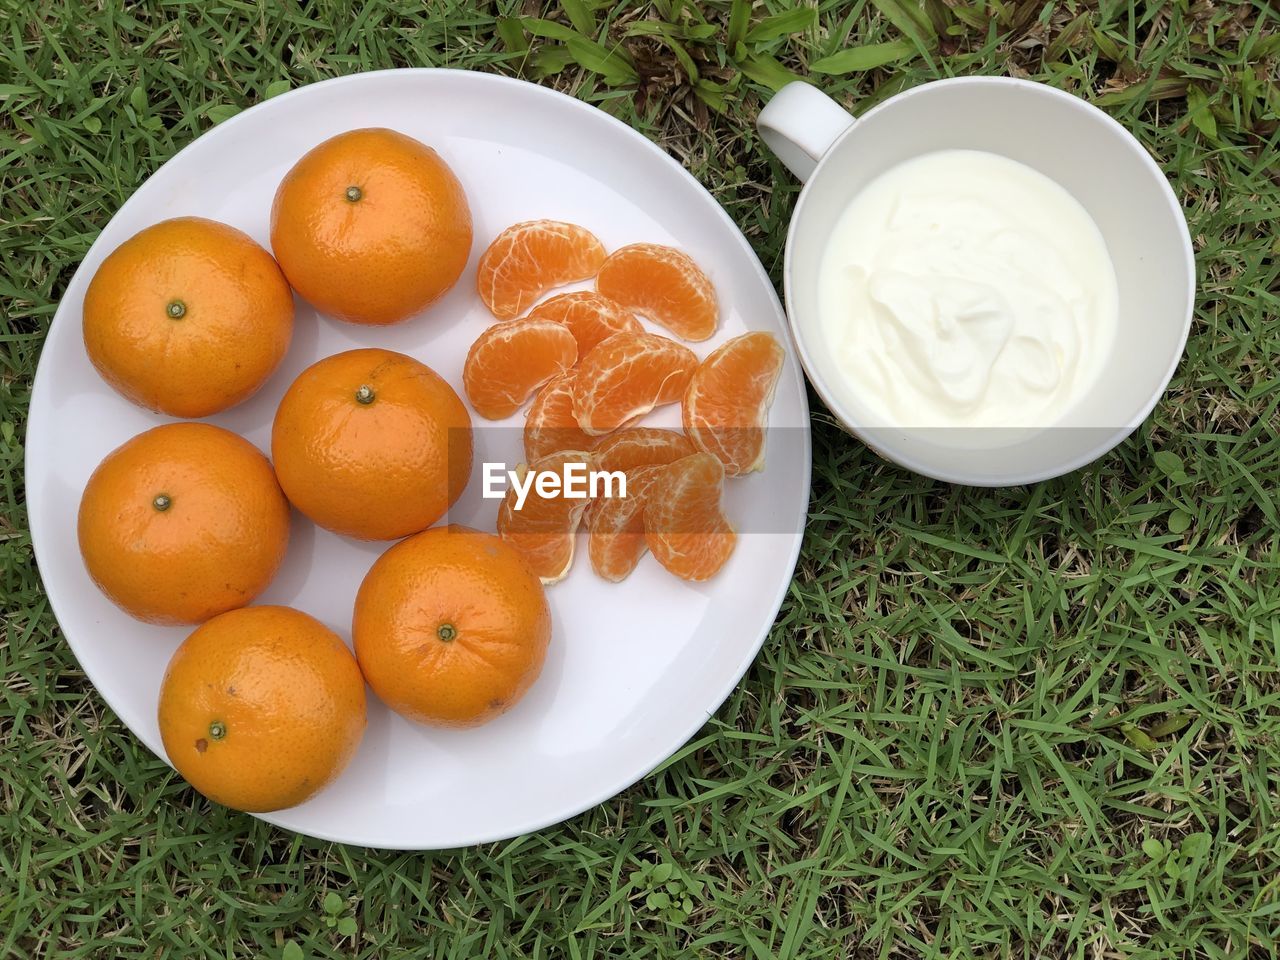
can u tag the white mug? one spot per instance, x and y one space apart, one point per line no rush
1067 139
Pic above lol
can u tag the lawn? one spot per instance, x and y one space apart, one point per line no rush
1037 722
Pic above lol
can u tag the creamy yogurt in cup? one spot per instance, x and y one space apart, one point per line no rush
1025 273
961 288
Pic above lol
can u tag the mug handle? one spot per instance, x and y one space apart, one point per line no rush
800 123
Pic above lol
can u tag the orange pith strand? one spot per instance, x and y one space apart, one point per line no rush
615 526
726 406
664 285
542 529
684 524
628 375
509 361
528 259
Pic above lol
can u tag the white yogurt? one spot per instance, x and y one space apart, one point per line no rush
962 288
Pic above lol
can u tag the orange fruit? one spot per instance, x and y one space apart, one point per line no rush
628 375
615 526
542 528
183 522
528 259
664 285
450 627
371 226
590 317
550 425
372 444
684 525
726 405
511 360
261 708
187 317
640 446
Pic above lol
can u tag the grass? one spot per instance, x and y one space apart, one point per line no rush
1041 722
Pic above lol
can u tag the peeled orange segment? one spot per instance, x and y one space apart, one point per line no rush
684 525
615 526
551 425
542 528
641 446
726 406
590 317
509 361
528 259
664 285
628 375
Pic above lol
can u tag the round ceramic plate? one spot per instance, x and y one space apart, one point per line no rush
634 669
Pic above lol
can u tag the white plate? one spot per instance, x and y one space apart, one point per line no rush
634 669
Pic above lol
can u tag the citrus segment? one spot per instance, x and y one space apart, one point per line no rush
261 708
615 526
183 522
640 446
450 627
664 285
590 317
684 525
372 444
726 406
628 375
542 528
511 360
371 226
528 259
550 425
187 317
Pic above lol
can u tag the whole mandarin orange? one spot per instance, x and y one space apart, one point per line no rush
261 708
187 317
372 444
183 522
450 627
371 226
